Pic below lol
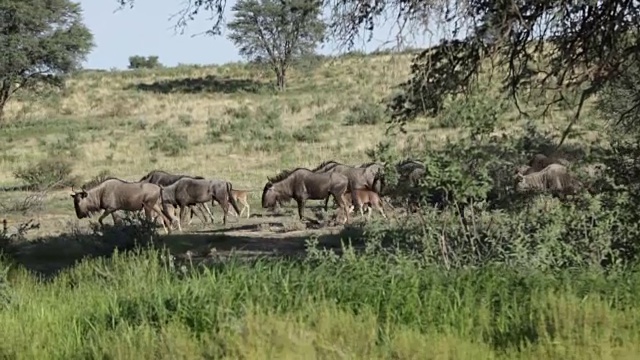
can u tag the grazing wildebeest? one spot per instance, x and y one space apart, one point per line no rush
410 173
364 197
114 194
163 178
375 169
539 162
554 178
303 184
188 192
359 177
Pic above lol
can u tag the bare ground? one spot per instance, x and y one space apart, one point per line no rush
262 235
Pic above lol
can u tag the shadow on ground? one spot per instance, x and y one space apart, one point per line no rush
47 256
207 84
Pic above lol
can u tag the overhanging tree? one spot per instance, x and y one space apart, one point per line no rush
276 30
40 42
586 43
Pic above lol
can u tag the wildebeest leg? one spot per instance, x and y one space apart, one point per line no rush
342 204
182 212
166 222
206 207
381 210
326 204
300 208
225 209
106 213
116 218
248 208
200 213
360 205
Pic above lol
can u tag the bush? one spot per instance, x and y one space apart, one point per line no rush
141 62
252 130
480 220
52 172
169 141
365 113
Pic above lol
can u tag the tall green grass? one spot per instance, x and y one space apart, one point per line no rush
141 306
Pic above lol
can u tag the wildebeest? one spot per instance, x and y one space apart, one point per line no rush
303 184
554 178
539 162
359 177
188 192
410 172
241 197
163 178
364 197
114 194
375 171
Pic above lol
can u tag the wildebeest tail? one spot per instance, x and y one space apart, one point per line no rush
232 199
165 209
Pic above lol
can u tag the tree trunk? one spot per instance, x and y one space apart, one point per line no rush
4 98
281 78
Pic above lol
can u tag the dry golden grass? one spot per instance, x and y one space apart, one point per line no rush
107 99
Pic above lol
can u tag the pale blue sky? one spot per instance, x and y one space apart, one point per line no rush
146 30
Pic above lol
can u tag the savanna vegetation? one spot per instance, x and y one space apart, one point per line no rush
502 275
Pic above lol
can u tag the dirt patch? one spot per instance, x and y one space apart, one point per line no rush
279 235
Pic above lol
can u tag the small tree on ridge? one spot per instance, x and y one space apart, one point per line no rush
40 40
277 30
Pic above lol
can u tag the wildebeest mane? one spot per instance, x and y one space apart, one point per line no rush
325 163
284 174
99 180
409 161
366 165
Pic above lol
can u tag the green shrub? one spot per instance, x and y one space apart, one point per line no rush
365 113
169 141
49 172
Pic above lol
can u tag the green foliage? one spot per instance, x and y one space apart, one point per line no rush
54 172
618 102
361 306
170 141
41 42
491 222
366 113
276 32
260 129
141 62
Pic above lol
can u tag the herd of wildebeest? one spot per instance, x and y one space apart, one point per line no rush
352 187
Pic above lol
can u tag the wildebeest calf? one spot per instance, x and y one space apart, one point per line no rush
554 178
188 192
362 198
114 194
